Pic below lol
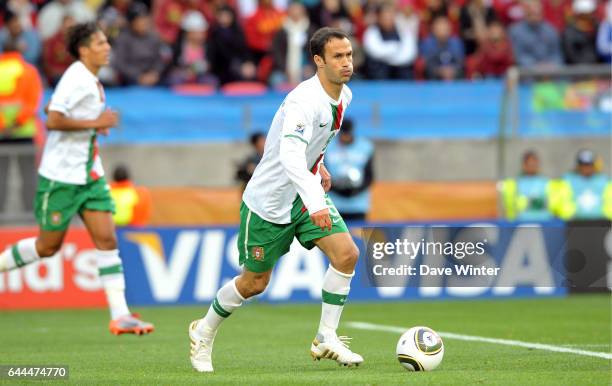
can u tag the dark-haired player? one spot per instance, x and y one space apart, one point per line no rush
71 178
286 199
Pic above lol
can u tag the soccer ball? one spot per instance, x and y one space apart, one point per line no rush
420 349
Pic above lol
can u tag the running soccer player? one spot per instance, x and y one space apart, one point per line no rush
71 179
286 198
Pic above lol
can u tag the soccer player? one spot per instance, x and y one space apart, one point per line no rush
71 178
286 198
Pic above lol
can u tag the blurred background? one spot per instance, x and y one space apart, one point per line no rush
464 111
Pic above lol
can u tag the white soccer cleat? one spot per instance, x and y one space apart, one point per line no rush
335 348
201 349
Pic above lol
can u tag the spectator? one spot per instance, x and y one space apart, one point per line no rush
133 204
326 11
494 55
51 15
556 12
56 58
247 167
210 8
191 63
534 41
261 27
443 52
604 35
26 40
20 97
474 18
138 51
579 36
530 196
350 163
228 54
391 45
169 15
433 9
112 17
245 8
24 10
370 8
509 11
585 193
290 48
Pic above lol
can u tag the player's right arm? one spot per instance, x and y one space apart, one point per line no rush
58 121
295 135
67 95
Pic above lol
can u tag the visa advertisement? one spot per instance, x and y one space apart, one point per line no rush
167 266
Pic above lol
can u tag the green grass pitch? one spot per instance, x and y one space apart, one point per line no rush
269 344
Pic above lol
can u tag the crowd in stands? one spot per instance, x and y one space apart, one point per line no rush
215 42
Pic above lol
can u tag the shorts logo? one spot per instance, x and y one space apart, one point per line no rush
258 253
299 128
56 218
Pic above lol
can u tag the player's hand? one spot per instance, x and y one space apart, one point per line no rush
103 131
326 180
107 119
322 219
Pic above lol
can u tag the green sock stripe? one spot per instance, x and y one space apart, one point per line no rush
334 299
219 310
113 269
17 256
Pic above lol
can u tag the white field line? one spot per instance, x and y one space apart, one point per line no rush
473 338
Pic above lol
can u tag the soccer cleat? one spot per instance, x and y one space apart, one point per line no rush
335 348
130 324
201 349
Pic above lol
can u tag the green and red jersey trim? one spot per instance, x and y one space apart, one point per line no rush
93 154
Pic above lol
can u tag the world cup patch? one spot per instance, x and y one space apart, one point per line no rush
258 253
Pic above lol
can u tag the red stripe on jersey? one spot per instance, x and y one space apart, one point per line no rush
315 168
94 176
339 111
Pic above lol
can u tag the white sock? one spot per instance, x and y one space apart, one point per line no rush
227 300
18 255
110 270
336 286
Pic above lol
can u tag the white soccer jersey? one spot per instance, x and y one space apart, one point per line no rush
72 156
302 128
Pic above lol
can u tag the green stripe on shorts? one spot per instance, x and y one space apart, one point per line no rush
334 299
219 310
17 256
113 269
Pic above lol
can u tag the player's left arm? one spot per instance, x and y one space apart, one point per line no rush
296 134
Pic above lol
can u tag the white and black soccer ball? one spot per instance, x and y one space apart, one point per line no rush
420 349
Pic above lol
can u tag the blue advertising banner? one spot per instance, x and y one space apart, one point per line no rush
188 265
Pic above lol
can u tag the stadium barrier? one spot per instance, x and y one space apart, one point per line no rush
429 201
165 266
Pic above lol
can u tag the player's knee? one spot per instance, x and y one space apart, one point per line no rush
106 242
347 259
47 250
260 285
255 286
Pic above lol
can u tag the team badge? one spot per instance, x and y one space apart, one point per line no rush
258 253
56 218
299 128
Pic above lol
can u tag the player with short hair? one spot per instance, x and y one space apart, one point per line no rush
71 179
286 198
